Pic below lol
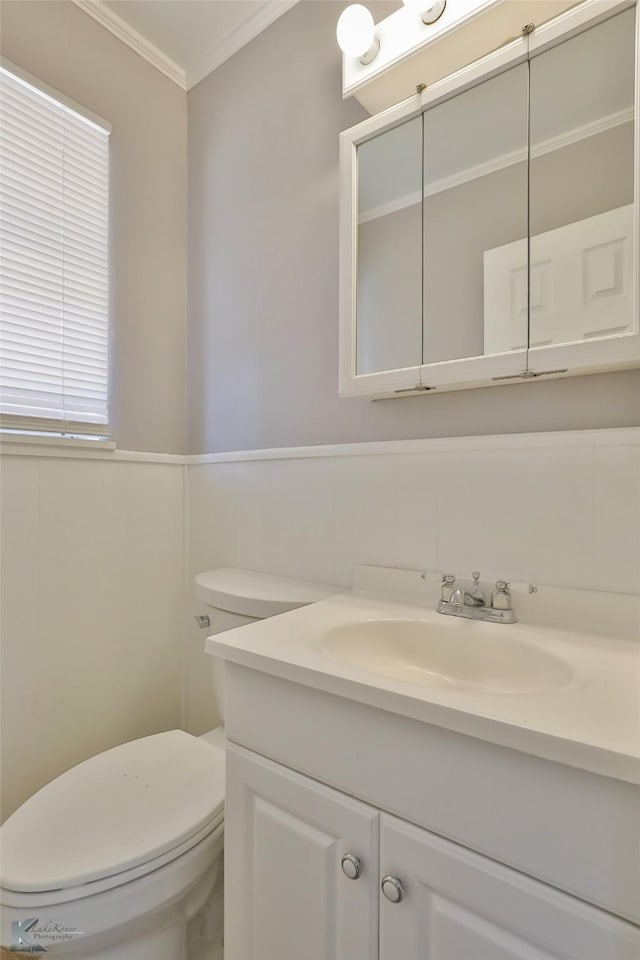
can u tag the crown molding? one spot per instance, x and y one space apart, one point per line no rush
216 54
121 29
238 38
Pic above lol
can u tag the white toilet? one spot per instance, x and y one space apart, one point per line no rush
120 857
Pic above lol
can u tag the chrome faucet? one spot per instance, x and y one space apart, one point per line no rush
471 602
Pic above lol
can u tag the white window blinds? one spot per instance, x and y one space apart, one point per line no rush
54 306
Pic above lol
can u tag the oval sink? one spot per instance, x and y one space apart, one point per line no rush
425 653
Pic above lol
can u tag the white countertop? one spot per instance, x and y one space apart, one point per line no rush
593 724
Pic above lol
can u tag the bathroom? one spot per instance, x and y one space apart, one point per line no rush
229 443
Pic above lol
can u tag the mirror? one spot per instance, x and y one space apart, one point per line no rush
475 198
582 185
489 225
389 244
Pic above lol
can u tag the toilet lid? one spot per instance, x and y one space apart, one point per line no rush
113 812
258 595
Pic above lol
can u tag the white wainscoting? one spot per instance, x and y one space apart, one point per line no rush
92 608
561 509
95 637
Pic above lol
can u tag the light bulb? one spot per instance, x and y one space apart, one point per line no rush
428 10
356 33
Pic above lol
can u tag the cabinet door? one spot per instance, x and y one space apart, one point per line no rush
458 905
475 198
286 895
584 175
381 254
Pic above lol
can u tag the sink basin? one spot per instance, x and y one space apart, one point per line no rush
462 655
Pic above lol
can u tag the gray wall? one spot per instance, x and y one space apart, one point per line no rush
67 49
263 270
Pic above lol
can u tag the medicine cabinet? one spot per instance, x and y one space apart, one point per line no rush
489 225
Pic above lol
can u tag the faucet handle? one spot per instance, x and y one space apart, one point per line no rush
475 596
501 597
446 588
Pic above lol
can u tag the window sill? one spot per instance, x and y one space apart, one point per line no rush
63 448
32 440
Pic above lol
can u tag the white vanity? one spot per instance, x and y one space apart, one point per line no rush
391 794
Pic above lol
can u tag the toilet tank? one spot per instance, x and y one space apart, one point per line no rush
234 598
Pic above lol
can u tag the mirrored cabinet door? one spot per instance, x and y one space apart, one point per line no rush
475 200
583 246
389 245
490 225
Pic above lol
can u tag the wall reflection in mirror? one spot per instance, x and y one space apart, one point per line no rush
389 269
475 186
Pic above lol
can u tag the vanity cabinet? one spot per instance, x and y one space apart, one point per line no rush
489 224
459 905
287 896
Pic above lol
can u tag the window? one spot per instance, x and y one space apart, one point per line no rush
54 304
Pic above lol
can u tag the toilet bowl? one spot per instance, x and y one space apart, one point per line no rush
120 858
119 855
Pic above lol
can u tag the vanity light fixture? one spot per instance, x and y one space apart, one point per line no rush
429 10
423 41
356 33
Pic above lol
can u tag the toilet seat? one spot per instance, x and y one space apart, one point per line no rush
118 916
113 818
211 837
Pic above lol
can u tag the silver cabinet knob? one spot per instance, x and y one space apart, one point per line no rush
351 866
392 889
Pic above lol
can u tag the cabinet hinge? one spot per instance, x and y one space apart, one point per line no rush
529 374
413 389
